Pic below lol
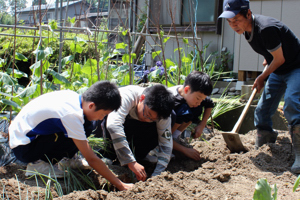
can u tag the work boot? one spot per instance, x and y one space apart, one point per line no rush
264 137
295 134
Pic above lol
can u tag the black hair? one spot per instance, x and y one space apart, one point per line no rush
160 100
104 94
199 82
244 13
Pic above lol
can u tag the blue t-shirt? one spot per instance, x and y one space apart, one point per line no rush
184 113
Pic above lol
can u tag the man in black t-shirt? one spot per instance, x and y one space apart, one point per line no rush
281 50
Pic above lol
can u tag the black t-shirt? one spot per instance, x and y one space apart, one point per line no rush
186 114
268 34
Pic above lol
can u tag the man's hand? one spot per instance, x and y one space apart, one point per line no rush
139 170
259 83
192 153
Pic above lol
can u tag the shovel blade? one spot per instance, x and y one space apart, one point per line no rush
234 142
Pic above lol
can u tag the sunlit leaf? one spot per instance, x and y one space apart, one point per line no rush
58 78
6 79
297 182
263 190
17 73
79 40
121 45
10 103
42 52
89 67
21 57
76 48
185 40
166 39
155 53
66 60
35 68
28 91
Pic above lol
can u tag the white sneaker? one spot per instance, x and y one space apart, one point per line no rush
77 162
45 168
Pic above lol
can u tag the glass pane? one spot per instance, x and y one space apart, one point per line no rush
205 10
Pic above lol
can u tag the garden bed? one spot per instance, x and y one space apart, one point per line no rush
218 175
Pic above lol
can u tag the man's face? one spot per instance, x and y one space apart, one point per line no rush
240 24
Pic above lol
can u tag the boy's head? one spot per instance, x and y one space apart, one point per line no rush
104 94
196 88
155 103
199 82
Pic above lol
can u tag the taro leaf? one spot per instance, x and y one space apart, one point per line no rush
17 73
66 60
10 103
76 48
121 45
121 69
42 52
59 78
156 53
35 68
297 182
47 41
263 190
21 57
28 91
90 66
6 79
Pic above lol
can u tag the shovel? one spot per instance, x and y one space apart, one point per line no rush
232 138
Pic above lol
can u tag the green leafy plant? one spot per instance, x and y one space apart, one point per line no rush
263 190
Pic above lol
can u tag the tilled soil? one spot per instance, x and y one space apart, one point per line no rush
220 174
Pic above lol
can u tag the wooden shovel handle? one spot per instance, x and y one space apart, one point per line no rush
238 124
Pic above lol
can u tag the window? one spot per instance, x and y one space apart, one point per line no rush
206 11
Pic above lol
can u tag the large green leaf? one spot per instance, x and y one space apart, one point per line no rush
59 78
10 103
121 69
76 68
121 45
66 60
17 73
43 53
79 40
169 63
90 66
6 79
155 53
28 91
76 48
166 39
36 67
21 57
263 191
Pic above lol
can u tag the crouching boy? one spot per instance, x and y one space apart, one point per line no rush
51 127
190 101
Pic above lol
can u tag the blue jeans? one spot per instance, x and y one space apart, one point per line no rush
276 86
